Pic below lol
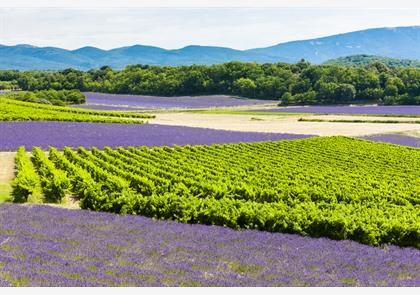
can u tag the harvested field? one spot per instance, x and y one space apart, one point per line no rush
281 124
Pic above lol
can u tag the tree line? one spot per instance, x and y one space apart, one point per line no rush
50 96
300 83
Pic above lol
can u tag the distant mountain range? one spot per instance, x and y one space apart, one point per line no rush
400 42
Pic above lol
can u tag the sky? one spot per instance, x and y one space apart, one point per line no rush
171 28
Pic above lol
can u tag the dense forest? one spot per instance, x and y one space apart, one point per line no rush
300 83
365 59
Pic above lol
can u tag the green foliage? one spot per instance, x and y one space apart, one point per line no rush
245 87
306 83
54 182
334 187
8 85
364 60
26 182
54 97
14 110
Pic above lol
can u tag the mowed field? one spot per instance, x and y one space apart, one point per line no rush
302 207
287 123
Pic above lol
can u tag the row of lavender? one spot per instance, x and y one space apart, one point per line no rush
410 141
49 246
351 110
134 102
60 134
74 134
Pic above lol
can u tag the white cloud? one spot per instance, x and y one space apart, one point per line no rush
176 27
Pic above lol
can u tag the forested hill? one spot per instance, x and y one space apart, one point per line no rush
300 83
401 42
364 59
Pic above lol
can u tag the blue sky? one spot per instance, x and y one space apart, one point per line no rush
240 28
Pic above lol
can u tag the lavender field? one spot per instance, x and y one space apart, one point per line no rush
50 246
395 139
73 134
134 102
356 110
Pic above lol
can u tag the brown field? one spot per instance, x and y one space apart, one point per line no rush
286 124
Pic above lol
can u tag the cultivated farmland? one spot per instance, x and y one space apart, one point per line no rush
132 102
334 187
210 189
396 139
14 110
74 134
49 246
356 110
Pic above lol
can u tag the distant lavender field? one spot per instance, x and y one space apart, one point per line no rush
396 139
50 246
362 110
60 134
135 102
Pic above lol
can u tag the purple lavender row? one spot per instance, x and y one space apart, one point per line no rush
395 139
49 246
124 102
367 110
74 134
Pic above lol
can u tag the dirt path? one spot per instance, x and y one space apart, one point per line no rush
7 166
7 172
282 124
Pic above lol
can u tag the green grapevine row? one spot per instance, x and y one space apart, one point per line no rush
334 187
13 110
26 182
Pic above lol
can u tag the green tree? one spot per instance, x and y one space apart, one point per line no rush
245 87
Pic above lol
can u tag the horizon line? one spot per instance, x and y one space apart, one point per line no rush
198 45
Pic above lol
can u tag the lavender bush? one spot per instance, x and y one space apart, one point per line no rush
126 102
60 134
50 246
395 139
367 110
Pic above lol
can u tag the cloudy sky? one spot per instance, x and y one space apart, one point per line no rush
166 27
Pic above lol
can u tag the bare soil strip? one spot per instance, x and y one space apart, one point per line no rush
282 124
7 166
7 170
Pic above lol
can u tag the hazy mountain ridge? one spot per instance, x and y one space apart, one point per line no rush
401 42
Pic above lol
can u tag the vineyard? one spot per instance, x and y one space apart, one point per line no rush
334 187
14 110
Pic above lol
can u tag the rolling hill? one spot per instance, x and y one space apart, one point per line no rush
364 59
400 42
